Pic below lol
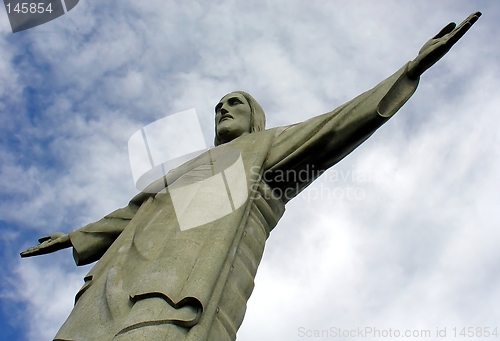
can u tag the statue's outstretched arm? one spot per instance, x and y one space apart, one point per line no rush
89 242
320 142
434 49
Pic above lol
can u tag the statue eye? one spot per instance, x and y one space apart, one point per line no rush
234 101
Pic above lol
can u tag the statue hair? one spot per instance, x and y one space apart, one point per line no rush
257 115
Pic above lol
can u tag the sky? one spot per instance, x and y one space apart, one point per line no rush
401 235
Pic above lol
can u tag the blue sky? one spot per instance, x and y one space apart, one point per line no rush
416 249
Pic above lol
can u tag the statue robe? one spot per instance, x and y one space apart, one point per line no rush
154 272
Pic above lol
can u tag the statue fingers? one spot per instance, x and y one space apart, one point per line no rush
461 29
445 30
56 241
52 237
471 19
47 246
44 239
437 38
458 34
31 251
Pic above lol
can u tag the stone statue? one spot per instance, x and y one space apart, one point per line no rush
169 271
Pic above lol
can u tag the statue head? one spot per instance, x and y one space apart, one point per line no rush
237 114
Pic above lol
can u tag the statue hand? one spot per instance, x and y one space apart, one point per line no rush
439 45
55 242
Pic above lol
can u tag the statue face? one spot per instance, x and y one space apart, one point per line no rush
232 117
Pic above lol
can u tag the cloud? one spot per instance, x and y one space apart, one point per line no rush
46 289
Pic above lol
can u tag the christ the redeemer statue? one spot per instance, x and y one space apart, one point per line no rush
166 269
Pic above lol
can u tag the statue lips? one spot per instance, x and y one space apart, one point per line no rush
225 117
